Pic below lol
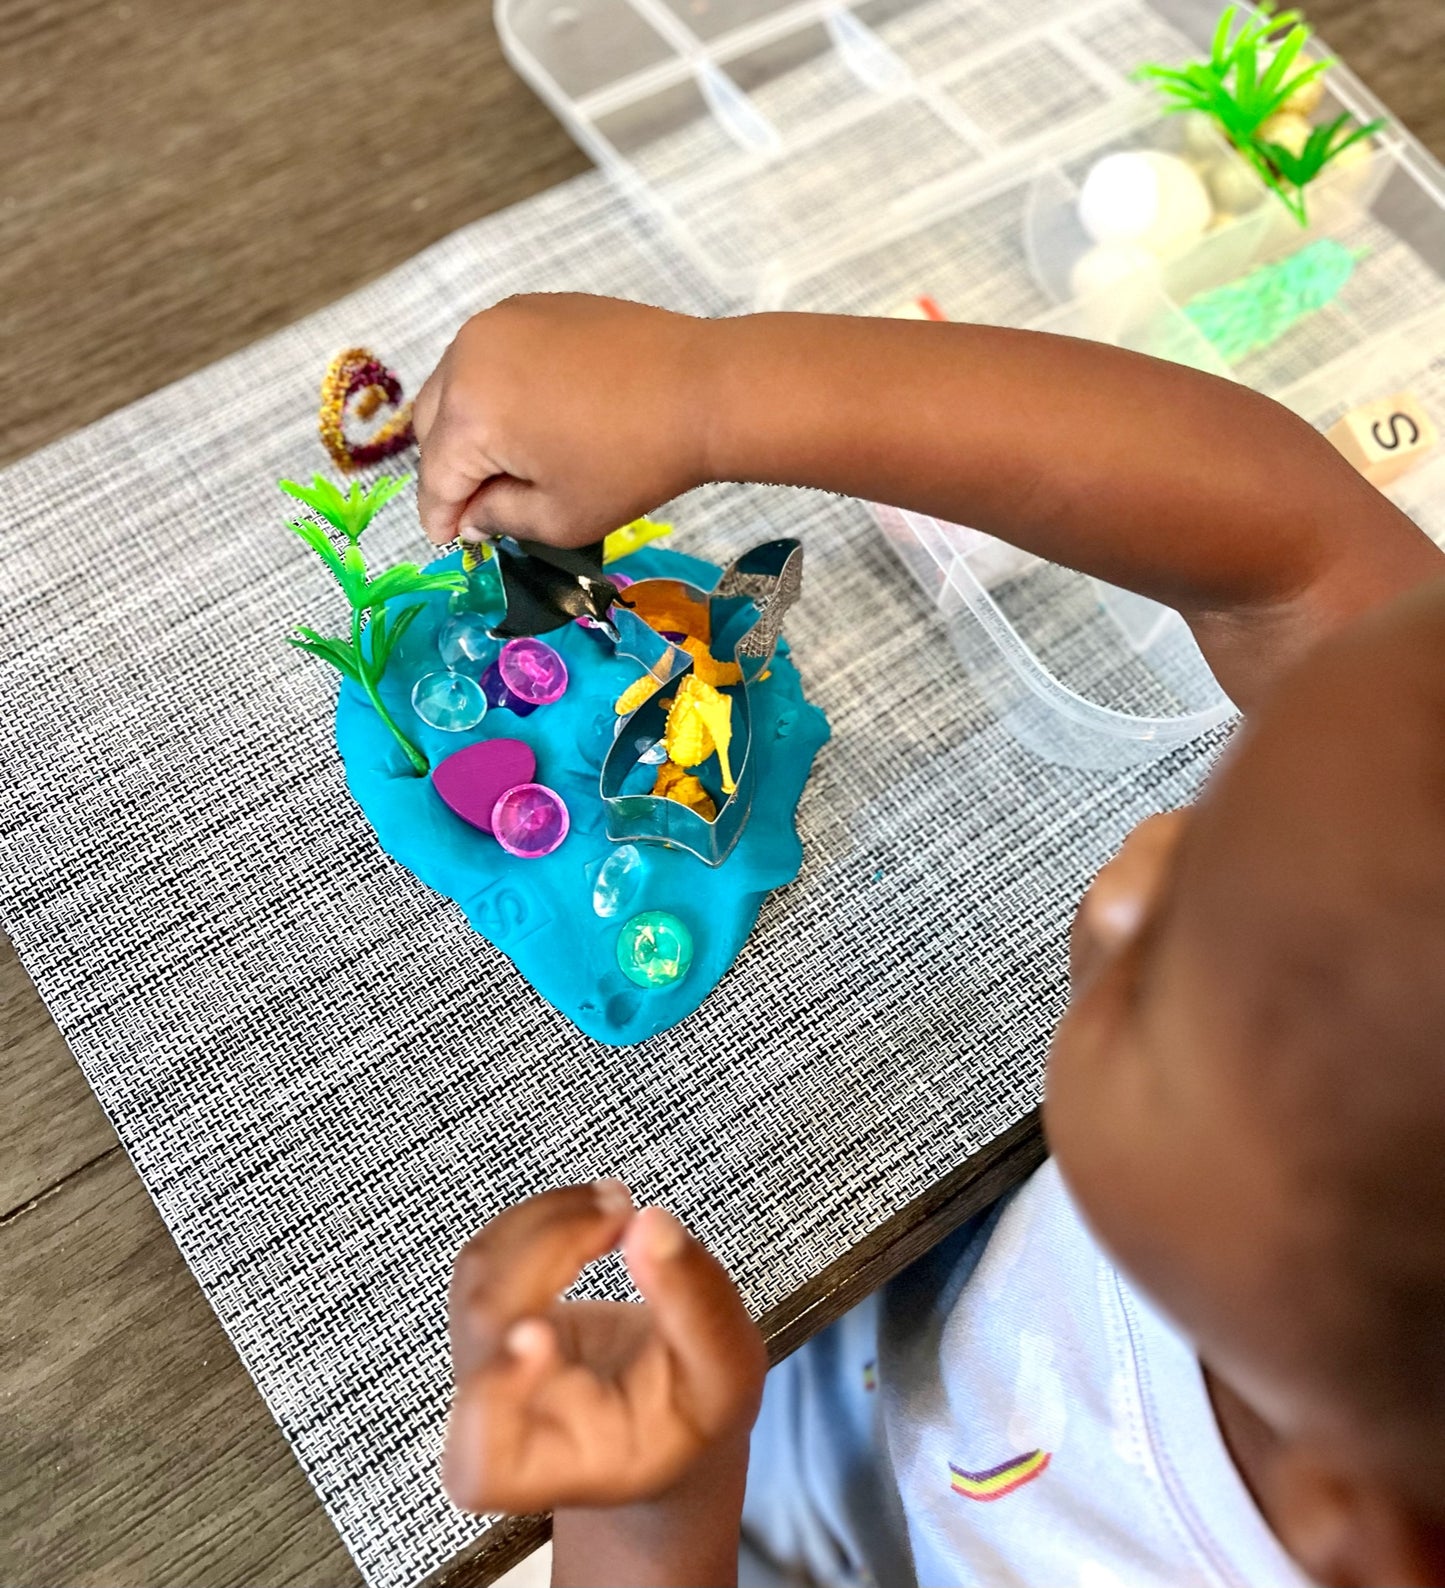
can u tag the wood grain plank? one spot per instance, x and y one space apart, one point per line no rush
50 1122
1397 47
181 177
136 1449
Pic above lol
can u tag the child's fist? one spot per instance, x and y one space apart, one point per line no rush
590 1403
558 417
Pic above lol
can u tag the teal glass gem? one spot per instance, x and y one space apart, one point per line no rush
654 949
483 592
484 587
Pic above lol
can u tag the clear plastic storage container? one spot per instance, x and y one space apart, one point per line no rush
852 157
1081 673
769 135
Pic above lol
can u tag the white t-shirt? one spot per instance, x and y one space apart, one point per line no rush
1009 1412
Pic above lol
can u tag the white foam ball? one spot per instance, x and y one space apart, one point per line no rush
1200 135
1145 197
1109 263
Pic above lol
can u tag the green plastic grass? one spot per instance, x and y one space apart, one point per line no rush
1252 72
363 662
1256 311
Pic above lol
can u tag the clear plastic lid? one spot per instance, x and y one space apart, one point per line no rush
770 135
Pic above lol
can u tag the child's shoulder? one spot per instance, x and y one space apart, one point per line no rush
1015 1356
1028 1240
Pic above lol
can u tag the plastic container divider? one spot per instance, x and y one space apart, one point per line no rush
683 102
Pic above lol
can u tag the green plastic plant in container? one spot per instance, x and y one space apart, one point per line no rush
1256 88
363 660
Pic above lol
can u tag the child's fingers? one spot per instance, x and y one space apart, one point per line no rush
699 1315
530 1437
424 409
453 467
508 506
492 1419
503 506
524 1259
475 1432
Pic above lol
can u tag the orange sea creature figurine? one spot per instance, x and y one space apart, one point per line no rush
675 783
667 609
707 667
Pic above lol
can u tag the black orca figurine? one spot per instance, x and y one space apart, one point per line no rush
546 586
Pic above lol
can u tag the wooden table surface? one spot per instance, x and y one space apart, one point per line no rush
177 178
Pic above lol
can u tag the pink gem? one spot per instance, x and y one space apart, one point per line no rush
474 779
529 821
534 672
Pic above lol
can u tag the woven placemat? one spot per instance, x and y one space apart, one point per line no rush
324 1078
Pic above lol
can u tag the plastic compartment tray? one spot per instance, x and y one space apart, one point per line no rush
770 135
1080 673
1128 684
850 157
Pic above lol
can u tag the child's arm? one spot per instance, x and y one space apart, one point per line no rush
561 416
631 1421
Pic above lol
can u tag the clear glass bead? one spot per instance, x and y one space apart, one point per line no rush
618 881
448 700
464 644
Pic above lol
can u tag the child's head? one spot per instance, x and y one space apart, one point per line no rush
1247 1096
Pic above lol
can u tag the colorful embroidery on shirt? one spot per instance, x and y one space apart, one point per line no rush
998 1481
870 1376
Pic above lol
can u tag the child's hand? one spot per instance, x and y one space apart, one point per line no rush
589 1403
558 417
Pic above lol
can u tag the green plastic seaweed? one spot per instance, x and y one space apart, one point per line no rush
363 663
1249 77
1260 308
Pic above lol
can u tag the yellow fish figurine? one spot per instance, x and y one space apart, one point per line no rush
632 537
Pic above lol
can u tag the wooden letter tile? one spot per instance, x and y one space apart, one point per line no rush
1385 439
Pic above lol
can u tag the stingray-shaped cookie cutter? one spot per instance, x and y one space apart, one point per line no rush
746 609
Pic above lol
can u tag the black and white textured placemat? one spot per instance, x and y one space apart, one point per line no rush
325 1079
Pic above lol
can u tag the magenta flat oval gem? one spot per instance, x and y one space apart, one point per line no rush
472 780
529 821
534 672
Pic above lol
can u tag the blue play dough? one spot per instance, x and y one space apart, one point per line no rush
539 912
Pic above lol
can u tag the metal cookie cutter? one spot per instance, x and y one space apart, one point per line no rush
746 609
